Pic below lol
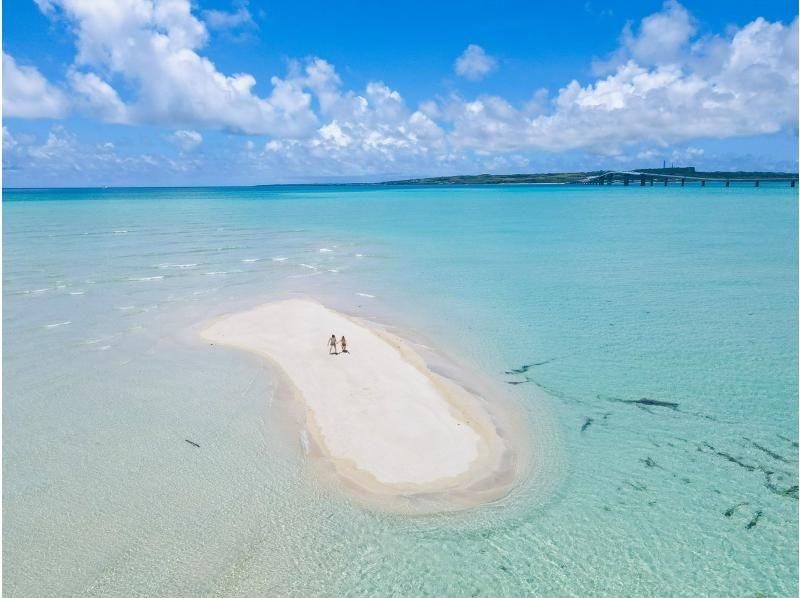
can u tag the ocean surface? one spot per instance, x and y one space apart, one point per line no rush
649 333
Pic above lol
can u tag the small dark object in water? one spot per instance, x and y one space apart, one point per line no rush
649 462
791 492
192 443
543 362
655 403
515 382
645 402
754 520
732 510
728 457
524 368
520 370
772 454
586 424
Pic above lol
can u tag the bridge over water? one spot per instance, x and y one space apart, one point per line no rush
644 178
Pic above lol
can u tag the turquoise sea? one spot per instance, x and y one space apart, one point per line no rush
649 333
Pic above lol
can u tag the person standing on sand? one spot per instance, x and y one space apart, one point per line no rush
332 345
344 344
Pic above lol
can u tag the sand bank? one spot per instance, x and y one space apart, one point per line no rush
387 423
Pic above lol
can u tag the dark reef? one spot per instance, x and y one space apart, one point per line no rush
732 510
754 520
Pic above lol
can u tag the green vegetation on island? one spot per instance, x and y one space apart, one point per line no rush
575 177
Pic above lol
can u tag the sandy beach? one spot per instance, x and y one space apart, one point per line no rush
387 423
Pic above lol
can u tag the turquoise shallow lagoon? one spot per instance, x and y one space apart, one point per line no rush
650 334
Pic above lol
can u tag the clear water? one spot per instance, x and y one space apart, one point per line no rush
608 295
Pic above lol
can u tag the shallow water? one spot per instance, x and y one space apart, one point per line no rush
597 297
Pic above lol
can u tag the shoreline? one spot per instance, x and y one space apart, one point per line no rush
394 432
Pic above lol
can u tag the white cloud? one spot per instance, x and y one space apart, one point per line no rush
97 98
27 94
665 85
62 159
368 130
222 20
686 155
751 89
186 140
59 145
9 143
745 84
58 154
154 47
365 133
474 63
333 132
662 36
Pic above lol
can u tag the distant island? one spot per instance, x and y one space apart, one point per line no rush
581 177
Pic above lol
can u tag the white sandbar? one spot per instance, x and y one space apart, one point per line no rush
386 421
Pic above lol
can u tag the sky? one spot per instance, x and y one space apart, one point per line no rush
231 92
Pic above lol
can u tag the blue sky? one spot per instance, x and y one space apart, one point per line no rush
172 92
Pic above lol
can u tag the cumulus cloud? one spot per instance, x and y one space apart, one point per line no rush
154 46
666 85
50 159
364 133
186 140
59 145
61 159
27 94
97 98
474 63
222 20
660 38
707 87
751 89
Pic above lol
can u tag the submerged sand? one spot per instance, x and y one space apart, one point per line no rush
387 422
